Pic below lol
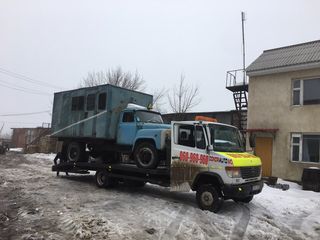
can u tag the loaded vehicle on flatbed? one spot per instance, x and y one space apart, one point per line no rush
123 141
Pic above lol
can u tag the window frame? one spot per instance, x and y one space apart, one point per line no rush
301 90
176 130
93 106
204 136
102 102
300 144
128 113
77 103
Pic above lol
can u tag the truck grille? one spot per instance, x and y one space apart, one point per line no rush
250 172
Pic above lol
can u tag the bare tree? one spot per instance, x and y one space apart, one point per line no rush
115 77
184 97
158 96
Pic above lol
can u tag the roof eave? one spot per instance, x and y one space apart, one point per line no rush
307 66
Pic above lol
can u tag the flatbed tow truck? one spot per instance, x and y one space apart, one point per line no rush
206 157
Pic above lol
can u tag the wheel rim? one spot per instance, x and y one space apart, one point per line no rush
73 153
101 179
145 156
207 198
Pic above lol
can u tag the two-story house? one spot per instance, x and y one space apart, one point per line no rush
284 109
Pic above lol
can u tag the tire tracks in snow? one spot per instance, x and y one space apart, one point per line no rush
241 226
173 228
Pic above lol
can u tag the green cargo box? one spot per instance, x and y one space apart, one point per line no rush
92 112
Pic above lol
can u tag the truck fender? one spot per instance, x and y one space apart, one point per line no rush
207 178
139 140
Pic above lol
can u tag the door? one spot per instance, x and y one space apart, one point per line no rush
188 155
263 150
127 129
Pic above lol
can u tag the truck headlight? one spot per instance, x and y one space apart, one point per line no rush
233 172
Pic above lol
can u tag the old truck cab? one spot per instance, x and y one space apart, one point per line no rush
210 158
144 131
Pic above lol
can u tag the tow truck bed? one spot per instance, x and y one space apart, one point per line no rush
160 175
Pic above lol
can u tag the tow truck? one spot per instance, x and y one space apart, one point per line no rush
203 156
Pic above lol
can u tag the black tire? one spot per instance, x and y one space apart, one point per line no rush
243 200
103 181
146 155
209 198
76 152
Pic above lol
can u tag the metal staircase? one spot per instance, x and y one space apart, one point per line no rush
240 92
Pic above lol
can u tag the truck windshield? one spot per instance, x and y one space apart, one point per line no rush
225 139
147 116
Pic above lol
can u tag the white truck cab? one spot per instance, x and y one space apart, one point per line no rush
210 158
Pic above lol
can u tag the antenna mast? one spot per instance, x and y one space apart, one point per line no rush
243 18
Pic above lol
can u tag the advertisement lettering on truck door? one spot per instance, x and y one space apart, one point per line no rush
214 149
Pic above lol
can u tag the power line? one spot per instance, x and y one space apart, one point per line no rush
28 79
23 114
22 89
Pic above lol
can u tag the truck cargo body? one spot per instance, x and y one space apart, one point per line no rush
92 112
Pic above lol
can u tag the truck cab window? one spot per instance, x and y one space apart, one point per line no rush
128 117
77 103
102 101
91 102
186 135
200 138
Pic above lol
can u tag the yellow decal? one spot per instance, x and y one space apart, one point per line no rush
242 159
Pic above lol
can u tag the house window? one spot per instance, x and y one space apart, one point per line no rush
305 148
306 92
296 92
77 103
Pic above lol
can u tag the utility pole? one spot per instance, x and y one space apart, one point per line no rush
243 18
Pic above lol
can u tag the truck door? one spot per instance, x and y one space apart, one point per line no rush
127 128
188 155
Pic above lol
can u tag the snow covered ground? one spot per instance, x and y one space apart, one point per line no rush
35 204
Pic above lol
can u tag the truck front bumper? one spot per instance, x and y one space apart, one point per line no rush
242 190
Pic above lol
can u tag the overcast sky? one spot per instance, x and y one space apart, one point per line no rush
58 42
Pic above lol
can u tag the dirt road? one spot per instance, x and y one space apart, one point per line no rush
35 204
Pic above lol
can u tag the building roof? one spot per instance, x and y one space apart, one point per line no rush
284 59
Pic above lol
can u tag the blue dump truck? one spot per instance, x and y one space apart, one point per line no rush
110 123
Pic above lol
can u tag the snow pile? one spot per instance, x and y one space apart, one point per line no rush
276 213
16 150
44 156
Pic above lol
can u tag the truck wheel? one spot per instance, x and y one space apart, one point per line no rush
209 198
103 181
75 152
146 156
244 200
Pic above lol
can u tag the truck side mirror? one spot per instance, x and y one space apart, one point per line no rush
252 140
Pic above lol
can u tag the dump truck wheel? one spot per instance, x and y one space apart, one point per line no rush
146 156
209 198
103 181
75 152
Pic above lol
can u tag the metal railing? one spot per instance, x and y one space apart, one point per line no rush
236 78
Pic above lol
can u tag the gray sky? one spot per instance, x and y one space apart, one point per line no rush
59 41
